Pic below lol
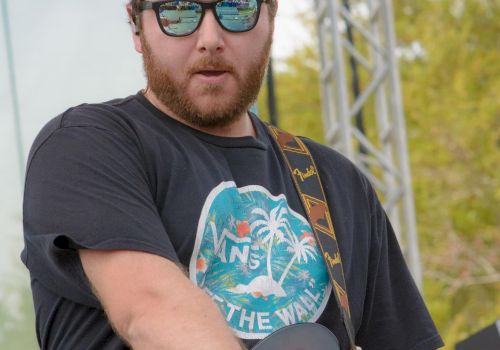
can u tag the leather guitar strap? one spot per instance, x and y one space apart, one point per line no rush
308 184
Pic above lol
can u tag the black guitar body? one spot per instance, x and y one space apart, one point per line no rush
301 336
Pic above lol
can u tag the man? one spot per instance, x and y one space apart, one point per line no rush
168 219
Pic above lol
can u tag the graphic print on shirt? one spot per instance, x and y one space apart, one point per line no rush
258 260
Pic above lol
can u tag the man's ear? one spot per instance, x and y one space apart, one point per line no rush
132 20
135 31
134 27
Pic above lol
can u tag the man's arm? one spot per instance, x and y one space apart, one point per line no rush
152 305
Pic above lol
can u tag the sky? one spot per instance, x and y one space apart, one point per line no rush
67 53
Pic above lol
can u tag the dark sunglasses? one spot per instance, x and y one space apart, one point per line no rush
181 18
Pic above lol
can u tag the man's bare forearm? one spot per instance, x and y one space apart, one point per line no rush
152 305
198 325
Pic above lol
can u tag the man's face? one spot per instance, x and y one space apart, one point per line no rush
211 77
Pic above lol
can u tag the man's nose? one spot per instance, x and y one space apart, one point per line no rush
210 34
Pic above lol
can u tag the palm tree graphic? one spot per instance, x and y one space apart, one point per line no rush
275 229
301 250
274 226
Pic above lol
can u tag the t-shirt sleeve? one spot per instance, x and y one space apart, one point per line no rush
395 316
87 187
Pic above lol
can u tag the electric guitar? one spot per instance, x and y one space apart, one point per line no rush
301 336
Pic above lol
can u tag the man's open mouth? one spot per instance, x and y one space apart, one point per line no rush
211 73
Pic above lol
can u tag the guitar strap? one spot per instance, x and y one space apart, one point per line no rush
308 184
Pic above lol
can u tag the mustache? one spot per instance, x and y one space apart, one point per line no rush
211 64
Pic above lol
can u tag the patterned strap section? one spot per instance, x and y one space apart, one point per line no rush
308 184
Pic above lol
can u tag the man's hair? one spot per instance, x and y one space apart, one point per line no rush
136 11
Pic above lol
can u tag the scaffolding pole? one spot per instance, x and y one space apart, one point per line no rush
359 35
13 91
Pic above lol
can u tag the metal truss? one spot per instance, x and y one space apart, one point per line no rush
362 105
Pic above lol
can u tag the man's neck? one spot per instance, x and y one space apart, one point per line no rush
242 126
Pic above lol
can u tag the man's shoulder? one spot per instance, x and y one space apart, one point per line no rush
327 158
107 114
110 116
337 170
102 114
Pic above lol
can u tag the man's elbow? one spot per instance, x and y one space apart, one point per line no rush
134 321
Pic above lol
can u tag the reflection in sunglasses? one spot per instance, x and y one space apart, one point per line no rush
179 18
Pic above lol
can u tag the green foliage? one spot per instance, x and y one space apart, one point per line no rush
298 95
452 104
17 329
453 117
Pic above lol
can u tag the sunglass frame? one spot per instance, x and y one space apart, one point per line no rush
155 5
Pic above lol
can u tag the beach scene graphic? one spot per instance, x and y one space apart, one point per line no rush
258 260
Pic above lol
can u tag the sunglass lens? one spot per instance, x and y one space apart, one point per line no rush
180 18
238 15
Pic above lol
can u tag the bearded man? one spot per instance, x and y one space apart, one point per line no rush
169 220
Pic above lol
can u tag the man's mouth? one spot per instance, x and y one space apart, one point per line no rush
211 73
211 76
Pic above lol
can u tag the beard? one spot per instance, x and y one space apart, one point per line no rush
224 108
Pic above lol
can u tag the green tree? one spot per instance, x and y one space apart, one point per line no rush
453 116
17 325
298 95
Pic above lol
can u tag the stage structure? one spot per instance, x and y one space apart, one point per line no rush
362 105
13 89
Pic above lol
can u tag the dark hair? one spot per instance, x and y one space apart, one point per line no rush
136 11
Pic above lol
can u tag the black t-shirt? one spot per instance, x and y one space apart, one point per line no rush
123 175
